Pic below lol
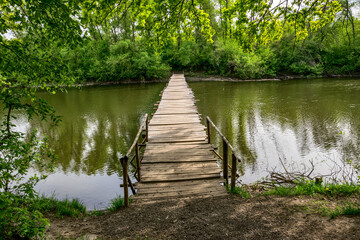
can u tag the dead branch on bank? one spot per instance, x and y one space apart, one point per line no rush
276 178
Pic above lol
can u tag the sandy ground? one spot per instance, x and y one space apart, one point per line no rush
217 218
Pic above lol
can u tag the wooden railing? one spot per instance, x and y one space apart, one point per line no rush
226 146
124 160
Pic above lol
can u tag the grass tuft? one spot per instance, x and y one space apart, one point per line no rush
243 192
59 208
116 203
347 210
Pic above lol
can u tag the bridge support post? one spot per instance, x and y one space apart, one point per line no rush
124 163
137 154
147 129
233 172
208 130
225 162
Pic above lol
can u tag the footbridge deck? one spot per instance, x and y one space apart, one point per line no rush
179 160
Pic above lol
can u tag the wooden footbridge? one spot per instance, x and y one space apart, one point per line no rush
179 160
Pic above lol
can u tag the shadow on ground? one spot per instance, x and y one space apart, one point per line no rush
213 218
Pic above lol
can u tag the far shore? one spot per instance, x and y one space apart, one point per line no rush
212 78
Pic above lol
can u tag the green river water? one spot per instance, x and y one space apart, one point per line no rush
296 121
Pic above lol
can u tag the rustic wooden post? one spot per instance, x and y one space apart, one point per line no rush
208 129
147 128
124 164
137 154
233 172
225 162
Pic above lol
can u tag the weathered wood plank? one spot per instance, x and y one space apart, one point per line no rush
215 182
177 187
158 192
180 177
167 166
177 171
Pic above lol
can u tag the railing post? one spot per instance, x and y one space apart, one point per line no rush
208 129
124 163
225 163
147 128
137 155
233 172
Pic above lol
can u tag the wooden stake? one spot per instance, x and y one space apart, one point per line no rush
233 171
147 129
225 163
208 130
137 154
125 180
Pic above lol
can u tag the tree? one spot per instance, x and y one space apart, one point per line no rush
30 32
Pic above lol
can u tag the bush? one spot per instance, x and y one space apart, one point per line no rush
17 220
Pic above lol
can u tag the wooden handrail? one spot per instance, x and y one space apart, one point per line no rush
224 158
143 124
125 159
222 136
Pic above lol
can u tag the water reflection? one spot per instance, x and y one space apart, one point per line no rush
98 124
296 121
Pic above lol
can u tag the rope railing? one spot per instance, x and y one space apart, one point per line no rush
124 160
226 146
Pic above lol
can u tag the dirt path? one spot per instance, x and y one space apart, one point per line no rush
217 218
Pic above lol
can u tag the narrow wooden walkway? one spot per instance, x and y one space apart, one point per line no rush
178 161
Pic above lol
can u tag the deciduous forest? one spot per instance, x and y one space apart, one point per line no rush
144 40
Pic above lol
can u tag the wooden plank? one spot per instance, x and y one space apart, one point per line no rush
179 184
179 145
177 140
180 155
158 192
197 149
185 153
176 187
159 123
153 200
177 131
152 160
166 166
151 172
180 177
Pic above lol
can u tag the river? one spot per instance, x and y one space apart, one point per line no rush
270 124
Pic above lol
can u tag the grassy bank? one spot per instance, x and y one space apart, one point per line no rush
330 199
53 207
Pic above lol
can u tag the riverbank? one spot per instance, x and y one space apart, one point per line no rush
232 217
199 77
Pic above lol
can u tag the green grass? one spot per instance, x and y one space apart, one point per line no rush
311 188
96 213
349 209
116 203
59 208
239 191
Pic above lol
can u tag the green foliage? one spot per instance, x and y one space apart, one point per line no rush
22 217
59 208
242 191
311 188
17 220
349 209
116 203
106 61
